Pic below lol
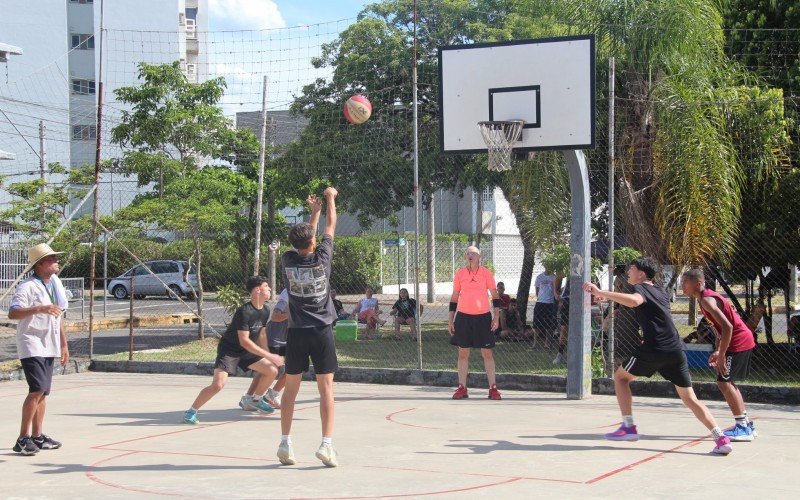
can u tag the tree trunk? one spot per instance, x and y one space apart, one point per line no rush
198 255
431 247
525 279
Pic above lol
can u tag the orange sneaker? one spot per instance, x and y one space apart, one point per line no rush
461 393
494 393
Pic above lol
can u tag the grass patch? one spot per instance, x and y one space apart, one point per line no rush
10 365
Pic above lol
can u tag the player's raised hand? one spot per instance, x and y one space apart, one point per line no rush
330 192
314 204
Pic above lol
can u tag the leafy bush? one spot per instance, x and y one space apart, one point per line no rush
356 264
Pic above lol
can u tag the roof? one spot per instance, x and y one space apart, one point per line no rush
6 50
4 155
283 127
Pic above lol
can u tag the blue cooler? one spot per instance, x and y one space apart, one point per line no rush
697 355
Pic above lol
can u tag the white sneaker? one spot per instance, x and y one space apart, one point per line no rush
285 453
247 404
328 455
273 398
557 361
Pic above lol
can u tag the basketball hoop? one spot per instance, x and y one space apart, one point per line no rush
500 137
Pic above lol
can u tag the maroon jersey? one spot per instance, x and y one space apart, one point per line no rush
742 338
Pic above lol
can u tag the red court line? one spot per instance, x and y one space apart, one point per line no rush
390 418
179 431
92 477
418 494
646 459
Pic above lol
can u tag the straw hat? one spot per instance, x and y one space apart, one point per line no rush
39 252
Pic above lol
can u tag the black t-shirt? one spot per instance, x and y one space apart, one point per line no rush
246 318
406 308
655 318
310 303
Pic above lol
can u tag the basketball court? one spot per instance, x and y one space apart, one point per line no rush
123 438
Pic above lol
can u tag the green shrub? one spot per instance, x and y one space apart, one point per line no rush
356 264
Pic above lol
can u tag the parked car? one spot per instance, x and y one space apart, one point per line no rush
173 273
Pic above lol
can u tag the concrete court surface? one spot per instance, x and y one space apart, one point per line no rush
123 439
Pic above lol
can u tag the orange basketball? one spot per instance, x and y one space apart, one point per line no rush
357 109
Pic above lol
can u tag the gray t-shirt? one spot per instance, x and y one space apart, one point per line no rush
544 288
306 277
278 330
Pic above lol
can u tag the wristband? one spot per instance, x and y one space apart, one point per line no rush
497 303
453 306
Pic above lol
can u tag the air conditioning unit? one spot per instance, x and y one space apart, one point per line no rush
181 19
191 73
191 28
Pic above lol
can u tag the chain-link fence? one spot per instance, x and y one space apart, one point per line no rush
704 173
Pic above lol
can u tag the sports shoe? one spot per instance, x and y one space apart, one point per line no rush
461 393
558 359
247 403
25 446
190 417
494 393
752 426
45 442
739 432
623 434
722 446
263 407
285 453
273 398
327 454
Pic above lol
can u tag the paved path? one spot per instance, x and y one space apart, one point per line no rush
122 439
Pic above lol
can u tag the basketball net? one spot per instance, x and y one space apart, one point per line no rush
500 137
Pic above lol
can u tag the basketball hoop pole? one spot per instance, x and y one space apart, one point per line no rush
416 196
579 367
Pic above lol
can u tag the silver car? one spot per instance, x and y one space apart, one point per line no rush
179 277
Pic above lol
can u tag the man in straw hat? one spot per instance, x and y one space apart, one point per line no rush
39 303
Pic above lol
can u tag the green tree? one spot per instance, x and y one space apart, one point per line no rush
204 205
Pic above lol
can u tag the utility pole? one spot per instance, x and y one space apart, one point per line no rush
42 166
261 158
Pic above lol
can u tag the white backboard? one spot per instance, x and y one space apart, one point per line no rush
549 83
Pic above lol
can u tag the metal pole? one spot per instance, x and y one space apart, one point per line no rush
42 166
105 273
416 194
273 249
130 321
611 236
579 366
95 213
260 201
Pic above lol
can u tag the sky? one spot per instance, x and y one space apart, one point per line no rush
266 14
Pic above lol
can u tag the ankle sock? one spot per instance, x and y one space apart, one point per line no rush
287 438
327 440
740 419
717 433
627 420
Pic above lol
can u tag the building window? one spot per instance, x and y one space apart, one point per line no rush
83 42
486 195
84 132
84 87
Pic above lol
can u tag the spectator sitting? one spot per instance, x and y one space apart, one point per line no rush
704 334
337 305
506 300
515 328
367 311
405 313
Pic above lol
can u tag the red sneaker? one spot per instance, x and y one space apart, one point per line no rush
494 393
461 393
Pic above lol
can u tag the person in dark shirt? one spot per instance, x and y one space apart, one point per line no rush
307 271
661 351
404 311
338 307
515 329
244 345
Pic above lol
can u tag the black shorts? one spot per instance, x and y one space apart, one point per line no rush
38 373
671 365
473 330
315 343
738 364
544 317
563 312
228 359
279 350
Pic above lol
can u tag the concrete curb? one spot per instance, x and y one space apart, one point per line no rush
74 366
515 381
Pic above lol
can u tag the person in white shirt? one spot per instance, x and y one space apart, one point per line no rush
39 303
